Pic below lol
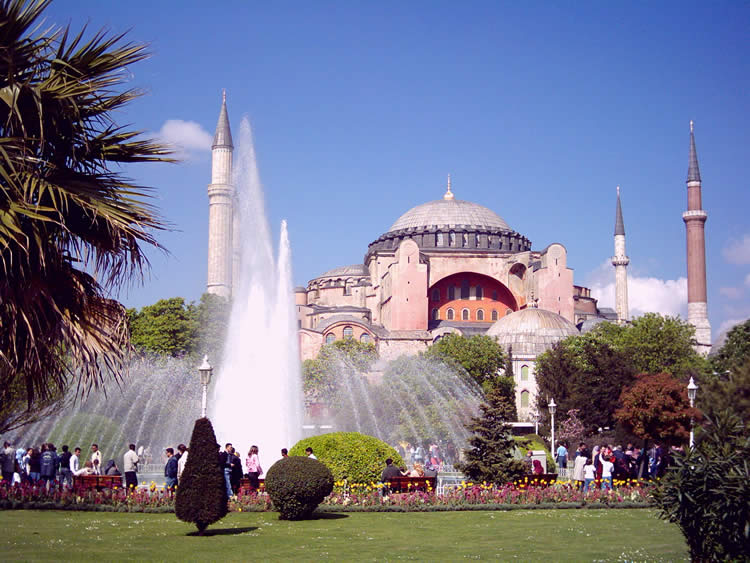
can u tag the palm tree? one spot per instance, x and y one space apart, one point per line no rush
72 228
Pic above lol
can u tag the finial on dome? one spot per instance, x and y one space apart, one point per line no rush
533 304
448 193
691 125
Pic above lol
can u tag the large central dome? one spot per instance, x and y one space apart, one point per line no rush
450 213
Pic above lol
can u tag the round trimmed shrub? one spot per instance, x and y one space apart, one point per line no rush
351 456
297 485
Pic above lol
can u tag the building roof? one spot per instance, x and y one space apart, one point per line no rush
346 271
449 213
223 135
531 331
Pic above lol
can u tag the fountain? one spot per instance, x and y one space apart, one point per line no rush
257 397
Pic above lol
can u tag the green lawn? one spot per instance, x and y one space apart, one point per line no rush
552 535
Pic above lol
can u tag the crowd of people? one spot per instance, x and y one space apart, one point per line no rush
605 464
44 464
434 457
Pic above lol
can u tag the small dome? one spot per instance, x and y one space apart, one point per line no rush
355 270
449 213
591 323
531 330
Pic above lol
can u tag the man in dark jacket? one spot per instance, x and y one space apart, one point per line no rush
170 469
389 473
66 475
49 464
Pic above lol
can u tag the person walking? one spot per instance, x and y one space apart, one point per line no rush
130 467
226 460
562 456
170 470
48 465
254 470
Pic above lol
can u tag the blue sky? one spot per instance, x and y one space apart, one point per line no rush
537 110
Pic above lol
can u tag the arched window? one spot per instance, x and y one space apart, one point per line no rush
494 314
348 332
480 292
524 373
465 240
465 315
449 314
508 312
453 238
494 295
524 399
365 338
465 291
330 338
440 241
435 314
480 315
451 293
436 294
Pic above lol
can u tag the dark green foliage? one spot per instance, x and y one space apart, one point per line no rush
707 493
735 352
201 494
491 455
176 328
480 355
727 391
297 485
351 456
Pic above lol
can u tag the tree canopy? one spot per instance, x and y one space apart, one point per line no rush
480 355
72 228
735 352
589 372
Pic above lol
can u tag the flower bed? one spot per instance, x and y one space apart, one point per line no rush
346 497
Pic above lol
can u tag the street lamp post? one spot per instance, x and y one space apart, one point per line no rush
205 370
552 408
537 417
692 388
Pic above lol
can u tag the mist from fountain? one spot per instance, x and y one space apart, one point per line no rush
257 397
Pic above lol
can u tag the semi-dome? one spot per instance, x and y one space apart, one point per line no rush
531 331
449 213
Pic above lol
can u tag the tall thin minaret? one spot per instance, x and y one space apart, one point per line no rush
620 261
695 219
221 208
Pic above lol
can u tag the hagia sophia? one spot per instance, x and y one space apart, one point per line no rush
452 266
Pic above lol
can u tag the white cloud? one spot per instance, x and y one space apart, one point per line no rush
645 294
185 136
732 292
729 323
737 251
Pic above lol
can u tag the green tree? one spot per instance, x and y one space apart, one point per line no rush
490 456
72 228
729 390
736 349
656 407
480 355
212 316
201 494
169 326
707 493
321 377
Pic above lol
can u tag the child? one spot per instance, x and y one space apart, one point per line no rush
589 474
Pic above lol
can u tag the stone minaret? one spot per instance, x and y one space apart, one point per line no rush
695 219
221 208
620 261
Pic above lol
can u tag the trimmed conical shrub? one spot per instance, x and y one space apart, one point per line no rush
201 493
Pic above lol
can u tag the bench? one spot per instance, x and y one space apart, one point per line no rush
407 484
82 483
247 489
